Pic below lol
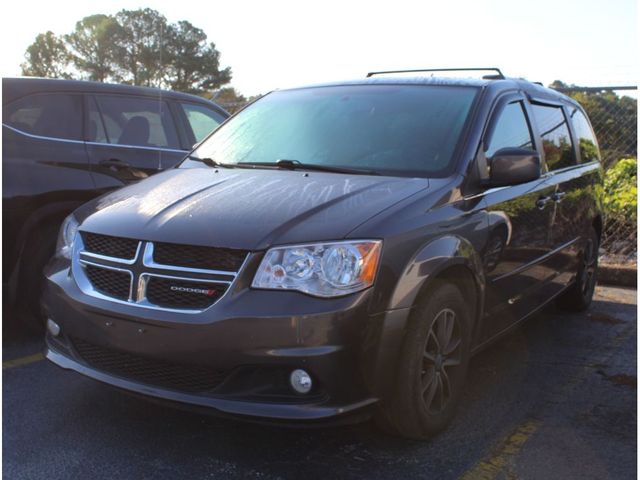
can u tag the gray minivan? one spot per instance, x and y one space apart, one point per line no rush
336 250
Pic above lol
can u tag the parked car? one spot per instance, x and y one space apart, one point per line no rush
335 250
66 142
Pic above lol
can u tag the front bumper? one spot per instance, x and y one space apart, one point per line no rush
275 411
349 353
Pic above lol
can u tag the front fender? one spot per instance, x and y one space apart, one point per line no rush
433 258
385 333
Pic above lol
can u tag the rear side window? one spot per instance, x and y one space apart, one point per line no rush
127 120
556 140
587 142
202 120
48 115
511 130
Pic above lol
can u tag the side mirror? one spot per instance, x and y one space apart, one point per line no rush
511 166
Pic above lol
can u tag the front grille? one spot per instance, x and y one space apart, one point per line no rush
172 293
174 376
110 246
192 256
157 275
109 282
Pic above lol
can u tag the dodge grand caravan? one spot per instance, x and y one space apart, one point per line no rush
335 251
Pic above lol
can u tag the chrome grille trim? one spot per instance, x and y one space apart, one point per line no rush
146 269
91 255
107 267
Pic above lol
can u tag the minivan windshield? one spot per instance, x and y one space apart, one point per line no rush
406 130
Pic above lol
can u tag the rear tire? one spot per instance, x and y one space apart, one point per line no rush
35 256
578 297
432 367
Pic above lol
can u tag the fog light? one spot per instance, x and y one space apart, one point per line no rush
300 381
53 327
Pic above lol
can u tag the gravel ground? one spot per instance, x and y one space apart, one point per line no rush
556 399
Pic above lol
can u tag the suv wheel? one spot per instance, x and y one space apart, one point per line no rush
578 297
35 256
432 367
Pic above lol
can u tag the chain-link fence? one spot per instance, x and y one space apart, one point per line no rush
614 119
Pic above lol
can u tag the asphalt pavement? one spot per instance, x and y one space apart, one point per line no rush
554 400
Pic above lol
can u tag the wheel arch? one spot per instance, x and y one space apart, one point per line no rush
449 258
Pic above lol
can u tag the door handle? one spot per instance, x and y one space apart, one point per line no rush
114 163
542 202
558 196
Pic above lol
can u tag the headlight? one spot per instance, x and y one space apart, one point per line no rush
66 237
321 269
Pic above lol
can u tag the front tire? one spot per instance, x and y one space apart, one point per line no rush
432 366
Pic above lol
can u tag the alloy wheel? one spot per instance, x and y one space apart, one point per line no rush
441 357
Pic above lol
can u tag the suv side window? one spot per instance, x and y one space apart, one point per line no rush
587 142
202 120
41 114
556 139
511 130
128 120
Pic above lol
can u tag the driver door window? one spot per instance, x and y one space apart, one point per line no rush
511 130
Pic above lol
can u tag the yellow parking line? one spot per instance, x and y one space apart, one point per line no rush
18 362
501 458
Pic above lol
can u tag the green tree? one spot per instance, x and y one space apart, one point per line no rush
139 47
229 98
91 46
46 57
194 63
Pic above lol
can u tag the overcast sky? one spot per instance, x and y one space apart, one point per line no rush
275 44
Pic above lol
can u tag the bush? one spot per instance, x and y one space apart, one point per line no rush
620 190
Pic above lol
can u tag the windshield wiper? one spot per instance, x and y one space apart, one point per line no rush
210 162
296 165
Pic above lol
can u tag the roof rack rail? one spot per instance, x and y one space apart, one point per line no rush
498 76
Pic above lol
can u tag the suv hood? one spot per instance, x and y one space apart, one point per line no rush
243 208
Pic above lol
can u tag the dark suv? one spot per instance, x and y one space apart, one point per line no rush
66 142
337 249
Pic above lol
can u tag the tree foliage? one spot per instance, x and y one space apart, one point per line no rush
139 53
137 47
91 47
46 57
621 191
195 63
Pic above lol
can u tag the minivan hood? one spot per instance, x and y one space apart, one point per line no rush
249 209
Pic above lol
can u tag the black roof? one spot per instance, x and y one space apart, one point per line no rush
16 87
533 89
